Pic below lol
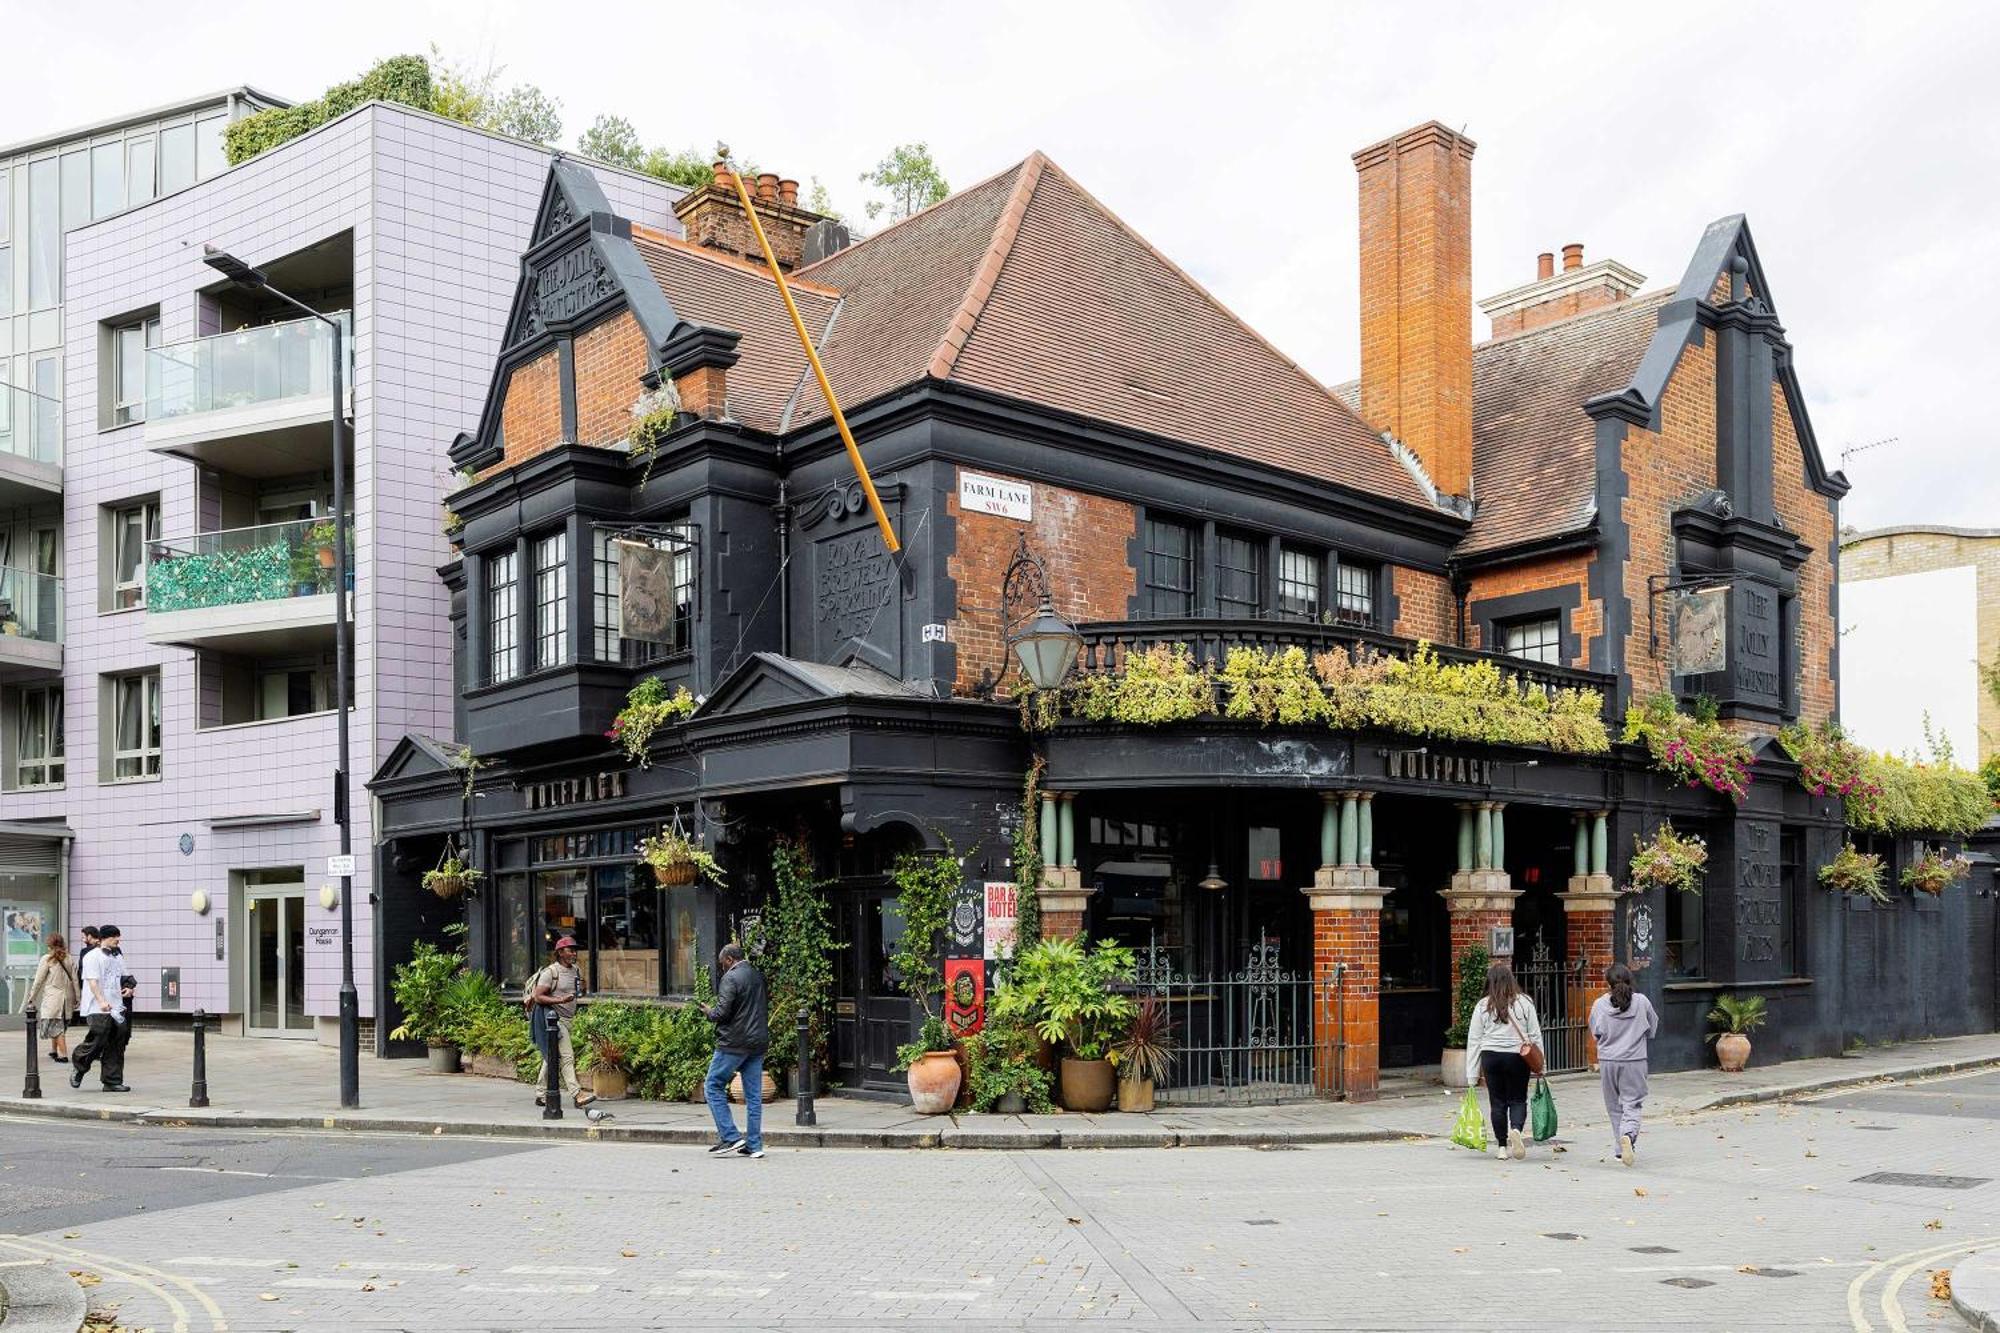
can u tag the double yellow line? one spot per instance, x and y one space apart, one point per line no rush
137 1275
1905 1266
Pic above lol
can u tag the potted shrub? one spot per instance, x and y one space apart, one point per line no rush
1670 861
927 888
322 538
609 1034
1933 872
1144 1056
451 877
419 989
1854 872
1735 1017
1007 1077
648 707
931 1062
1472 965
678 860
1063 987
304 572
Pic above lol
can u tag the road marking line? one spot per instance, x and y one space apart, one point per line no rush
1801 1265
1892 1308
207 1261
323 1283
726 1274
259 1175
556 1270
1856 1288
400 1267
215 1315
728 1293
919 1295
532 1289
165 1297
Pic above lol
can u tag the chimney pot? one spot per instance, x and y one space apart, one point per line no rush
788 193
1572 256
767 187
1545 266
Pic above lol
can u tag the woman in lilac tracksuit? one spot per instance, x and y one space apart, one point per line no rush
1623 1022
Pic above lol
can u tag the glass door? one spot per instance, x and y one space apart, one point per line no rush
277 964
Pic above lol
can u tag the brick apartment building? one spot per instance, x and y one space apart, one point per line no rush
1021 369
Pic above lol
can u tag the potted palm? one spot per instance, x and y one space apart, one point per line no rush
1144 1056
1063 987
1735 1017
610 1034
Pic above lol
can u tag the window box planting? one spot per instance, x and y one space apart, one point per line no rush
1692 746
1933 872
1671 860
1856 872
648 707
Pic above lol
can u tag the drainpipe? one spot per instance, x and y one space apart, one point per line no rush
1460 586
783 511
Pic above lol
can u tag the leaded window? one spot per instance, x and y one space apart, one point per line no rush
552 599
502 618
1354 594
1299 583
1169 581
1239 575
609 643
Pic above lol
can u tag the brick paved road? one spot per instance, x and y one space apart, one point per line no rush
1748 1219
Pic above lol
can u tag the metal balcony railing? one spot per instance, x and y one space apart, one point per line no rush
238 565
30 424
31 604
264 365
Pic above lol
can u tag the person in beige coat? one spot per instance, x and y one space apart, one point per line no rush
53 995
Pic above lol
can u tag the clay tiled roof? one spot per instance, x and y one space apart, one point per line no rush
1534 450
1024 285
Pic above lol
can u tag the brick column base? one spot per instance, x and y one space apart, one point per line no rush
1477 900
1065 902
1347 1020
1589 906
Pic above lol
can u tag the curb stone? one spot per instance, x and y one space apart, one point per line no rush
1780 1091
1975 1291
41 1298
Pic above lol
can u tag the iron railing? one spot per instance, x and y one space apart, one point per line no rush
1559 990
267 364
1106 644
1256 1035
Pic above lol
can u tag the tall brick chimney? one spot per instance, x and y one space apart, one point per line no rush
1416 297
713 217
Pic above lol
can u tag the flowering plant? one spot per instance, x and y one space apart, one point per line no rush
648 708
1934 872
1854 871
677 859
1694 747
1670 861
1832 765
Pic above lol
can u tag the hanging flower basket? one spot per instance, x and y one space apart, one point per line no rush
1855 872
451 878
677 860
1669 861
1934 872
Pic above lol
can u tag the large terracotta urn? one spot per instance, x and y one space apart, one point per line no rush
1732 1052
934 1082
1087 1085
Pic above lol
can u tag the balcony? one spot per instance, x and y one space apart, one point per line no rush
31 624
255 403
245 590
30 447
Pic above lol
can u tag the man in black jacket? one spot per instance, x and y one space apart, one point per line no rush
741 1014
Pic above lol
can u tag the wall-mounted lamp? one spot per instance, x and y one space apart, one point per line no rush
329 897
198 900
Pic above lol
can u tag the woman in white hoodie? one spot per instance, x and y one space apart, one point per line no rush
1502 1023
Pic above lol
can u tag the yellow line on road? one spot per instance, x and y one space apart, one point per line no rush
1911 1261
1892 1309
218 1321
165 1297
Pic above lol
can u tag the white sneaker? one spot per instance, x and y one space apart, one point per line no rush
1625 1152
1500 1153
1520 1147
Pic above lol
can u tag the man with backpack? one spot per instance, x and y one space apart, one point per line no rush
551 997
741 1014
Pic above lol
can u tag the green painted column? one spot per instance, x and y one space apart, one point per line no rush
1600 843
1049 820
1465 837
1482 838
1365 853
1580 853
1499 836
1066 828
1349 829
1329 828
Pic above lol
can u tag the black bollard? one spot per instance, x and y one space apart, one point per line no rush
199 1094
805 1114
31 1087
551 1094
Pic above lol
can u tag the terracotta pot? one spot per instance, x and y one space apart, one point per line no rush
934 1082
609 1084
1451 1067
444 1059
326 557
1087 1085
769 1085
1135 1095
1732 1051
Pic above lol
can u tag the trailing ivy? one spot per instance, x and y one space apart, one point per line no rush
1421 695
927 888
799 950
648 707
404 79
1028 863
1938 797
1694 747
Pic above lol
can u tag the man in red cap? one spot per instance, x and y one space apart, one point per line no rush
556 988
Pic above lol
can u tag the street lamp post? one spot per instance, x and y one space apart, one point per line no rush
247 277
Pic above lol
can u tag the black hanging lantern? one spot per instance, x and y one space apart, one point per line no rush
1045 643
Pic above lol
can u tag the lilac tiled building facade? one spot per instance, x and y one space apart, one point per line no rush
196 446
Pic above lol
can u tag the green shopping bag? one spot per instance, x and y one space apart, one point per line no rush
1469 1131
1542 1111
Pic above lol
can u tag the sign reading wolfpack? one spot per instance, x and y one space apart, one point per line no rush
1425 766
645 591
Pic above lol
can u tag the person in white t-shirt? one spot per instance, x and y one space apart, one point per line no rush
107 994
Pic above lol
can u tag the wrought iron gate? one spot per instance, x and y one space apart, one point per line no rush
1248 1036
1558 989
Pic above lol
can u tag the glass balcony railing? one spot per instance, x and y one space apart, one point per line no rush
31 605
30 424
264 564
250 367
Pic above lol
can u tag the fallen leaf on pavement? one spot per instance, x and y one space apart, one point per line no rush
368 1286
1941 1285
266 1296
1639 1190
628 1254
1935 1224
84 1279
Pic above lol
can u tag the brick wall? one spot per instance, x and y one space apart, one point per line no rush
610 358
1663 469
1425 608
1898 553
1349 938
1084 540
531 417
1586 618
1806 512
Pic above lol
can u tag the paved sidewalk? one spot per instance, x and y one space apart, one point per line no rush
263 1083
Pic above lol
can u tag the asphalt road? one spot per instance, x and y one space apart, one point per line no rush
1778 1217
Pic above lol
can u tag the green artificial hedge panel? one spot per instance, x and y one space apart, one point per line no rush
221 578
404 79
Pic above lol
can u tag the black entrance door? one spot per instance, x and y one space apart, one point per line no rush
872 1016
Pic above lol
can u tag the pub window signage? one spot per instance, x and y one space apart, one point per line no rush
1428 766
607 786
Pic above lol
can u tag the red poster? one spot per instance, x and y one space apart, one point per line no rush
964 996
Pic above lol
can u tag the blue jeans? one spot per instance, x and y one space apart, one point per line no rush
720 1068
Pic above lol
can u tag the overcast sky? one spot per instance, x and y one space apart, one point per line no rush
1860 139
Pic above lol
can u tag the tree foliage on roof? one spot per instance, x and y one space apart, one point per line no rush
613 139
456 92
912 179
